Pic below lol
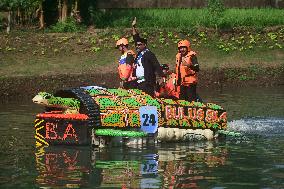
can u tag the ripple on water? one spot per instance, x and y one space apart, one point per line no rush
258 126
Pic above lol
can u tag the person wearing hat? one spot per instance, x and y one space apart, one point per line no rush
126 64
186 71
167 88
146 64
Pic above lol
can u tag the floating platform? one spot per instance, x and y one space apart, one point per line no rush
96 116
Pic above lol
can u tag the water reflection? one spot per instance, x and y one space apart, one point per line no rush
65 167
185 166
163 166
221 164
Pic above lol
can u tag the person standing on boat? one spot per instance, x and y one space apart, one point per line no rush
126 64
166 88
146 64
187 68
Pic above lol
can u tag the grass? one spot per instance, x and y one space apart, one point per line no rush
104 61
31 53
189 19
65 64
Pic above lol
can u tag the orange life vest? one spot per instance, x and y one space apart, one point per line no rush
183 70
125 70
169 89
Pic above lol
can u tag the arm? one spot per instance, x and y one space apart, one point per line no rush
134 30
135 33
129 59
178 74
156 65
195 65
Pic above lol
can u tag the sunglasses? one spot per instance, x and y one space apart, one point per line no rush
139 44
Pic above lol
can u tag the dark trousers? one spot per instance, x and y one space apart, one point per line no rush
188 92
130 85
147 88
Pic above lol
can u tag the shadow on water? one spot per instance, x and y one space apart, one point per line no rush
257 163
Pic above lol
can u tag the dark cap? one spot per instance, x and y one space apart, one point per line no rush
142 40
165 67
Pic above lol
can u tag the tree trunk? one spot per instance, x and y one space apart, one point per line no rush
41 17
64 10
76 13
59 11
76 6
8 29
18 17
276 4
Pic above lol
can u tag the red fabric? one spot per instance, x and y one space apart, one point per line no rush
169 90
58 115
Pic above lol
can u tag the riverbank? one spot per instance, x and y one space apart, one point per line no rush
34 61
25 87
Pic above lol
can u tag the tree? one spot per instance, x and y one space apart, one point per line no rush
22 11
40 13
62 10
8 5
75 13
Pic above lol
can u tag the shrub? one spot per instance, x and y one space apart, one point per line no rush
216 11
70 25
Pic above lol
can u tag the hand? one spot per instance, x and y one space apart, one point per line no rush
134 22
163 85
174 81
184 63
131 78
121 83
161 82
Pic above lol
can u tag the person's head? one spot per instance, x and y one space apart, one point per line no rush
122 45
184 47
141 44
165 68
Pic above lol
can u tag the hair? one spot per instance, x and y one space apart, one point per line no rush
121 45
165 67
142 40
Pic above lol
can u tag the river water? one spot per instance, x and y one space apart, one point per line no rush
257 162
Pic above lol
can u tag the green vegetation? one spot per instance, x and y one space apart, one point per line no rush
28 53
216 10
223 38
191 19
70 25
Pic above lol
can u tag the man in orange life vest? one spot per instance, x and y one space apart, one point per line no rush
167 88
126 64
186 71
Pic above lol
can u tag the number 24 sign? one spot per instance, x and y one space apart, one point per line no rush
148 119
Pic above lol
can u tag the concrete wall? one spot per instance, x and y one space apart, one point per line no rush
105 4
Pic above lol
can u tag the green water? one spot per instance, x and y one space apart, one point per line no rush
257 163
